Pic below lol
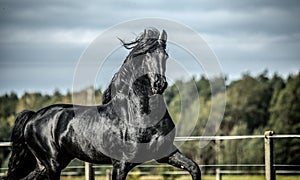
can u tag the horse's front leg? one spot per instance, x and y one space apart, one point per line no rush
121 169
179 160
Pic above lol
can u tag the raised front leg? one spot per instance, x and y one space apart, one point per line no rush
121 169
179 160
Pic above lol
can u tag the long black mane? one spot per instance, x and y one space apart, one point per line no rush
140 46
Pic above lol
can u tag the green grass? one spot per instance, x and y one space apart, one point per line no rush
205 177
281 177
227 177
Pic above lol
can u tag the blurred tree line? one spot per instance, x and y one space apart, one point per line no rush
253 105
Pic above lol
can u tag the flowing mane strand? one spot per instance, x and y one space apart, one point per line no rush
146 42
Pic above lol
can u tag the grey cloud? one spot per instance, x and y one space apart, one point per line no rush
208 16
53 34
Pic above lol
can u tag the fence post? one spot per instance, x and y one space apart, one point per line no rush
269 156
218 174
89 171
107 174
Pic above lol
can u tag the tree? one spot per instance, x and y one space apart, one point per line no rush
8 104
5 132
284 119
248 101
203 87
32 101
285 110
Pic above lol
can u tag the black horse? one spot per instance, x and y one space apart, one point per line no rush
131 127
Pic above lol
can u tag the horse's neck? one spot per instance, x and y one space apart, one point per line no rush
139 111
121 82
140 105
137 106
131 107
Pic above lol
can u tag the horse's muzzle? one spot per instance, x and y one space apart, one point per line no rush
160 84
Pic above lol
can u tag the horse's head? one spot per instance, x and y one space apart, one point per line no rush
143 71
147 62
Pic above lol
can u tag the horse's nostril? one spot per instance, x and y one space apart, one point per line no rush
157 78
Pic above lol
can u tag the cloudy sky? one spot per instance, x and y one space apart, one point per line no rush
42 41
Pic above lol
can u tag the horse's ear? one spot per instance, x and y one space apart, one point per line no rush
163 36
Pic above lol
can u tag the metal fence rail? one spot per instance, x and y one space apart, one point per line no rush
209 138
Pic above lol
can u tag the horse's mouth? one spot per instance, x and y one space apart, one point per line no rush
159 85
159 89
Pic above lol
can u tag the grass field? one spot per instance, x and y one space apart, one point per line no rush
205 177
